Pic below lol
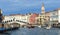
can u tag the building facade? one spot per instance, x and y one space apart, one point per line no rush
42 18
19 18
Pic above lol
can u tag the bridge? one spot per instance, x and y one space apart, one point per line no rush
16 21
19 22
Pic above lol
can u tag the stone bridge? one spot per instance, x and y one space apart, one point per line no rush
15 22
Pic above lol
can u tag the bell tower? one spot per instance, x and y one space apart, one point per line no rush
42 18
42 9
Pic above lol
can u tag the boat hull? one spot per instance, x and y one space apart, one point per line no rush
2 30
56 25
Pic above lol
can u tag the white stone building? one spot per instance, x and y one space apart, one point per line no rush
16 18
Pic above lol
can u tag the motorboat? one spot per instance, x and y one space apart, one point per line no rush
47 27
39 26
56 25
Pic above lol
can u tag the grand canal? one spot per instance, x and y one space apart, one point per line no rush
33 31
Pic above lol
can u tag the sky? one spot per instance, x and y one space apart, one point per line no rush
27 6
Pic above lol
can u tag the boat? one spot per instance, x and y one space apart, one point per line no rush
39 26
48 27
56 25
30 26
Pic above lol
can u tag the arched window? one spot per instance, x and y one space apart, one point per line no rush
8 20
11 20
5 22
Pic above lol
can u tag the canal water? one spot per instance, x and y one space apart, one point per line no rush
33 31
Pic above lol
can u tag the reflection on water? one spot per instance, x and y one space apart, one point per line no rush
33 31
